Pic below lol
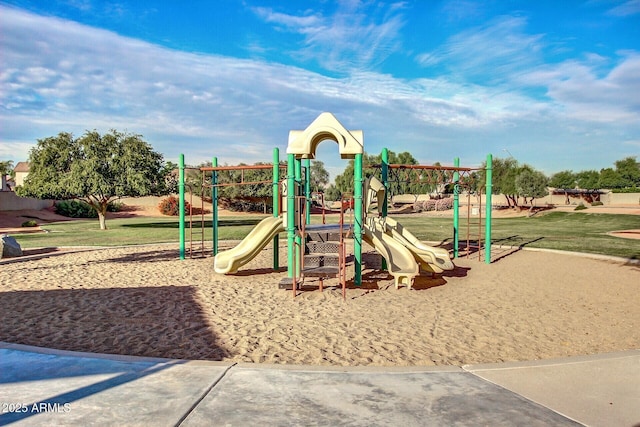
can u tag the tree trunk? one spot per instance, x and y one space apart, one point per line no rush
102 216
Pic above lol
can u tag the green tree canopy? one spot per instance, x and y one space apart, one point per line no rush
610 178
503 175
319 176
94 168
588 179
531 183
6 166
629 170
565 180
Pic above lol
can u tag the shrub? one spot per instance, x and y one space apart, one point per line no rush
171 206
30 223
434 205
580 207
597 203
115 206
75 209
245 205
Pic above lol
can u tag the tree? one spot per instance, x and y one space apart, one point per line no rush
6 166
319 176
503 175
610 178
588 180
94 168
531 183
629 170
564 180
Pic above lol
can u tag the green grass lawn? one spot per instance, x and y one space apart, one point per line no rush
581 232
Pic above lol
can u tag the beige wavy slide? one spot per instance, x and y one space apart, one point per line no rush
230 261
400 261
431 259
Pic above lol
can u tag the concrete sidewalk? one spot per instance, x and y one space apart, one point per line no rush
50 387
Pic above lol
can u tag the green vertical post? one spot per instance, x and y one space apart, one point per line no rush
214 205
276 206
181 204
307 189
299 186
385 181
456 207
358 217
291 214
488 206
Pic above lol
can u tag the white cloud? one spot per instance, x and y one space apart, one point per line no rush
584 95
357 36
56 75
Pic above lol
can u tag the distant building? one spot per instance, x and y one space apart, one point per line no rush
21 170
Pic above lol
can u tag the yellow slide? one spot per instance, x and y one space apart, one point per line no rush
431 259
231 260
400 261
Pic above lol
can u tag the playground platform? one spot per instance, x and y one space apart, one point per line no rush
52 387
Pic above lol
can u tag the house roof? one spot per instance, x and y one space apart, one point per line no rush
21 167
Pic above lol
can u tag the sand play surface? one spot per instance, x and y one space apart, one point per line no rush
144 301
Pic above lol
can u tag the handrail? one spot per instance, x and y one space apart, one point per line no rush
297 253
342 251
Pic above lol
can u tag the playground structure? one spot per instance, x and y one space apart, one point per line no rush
308 245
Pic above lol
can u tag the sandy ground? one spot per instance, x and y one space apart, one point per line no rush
144 301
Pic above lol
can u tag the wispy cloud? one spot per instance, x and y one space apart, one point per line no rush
357 35
628 8
500 48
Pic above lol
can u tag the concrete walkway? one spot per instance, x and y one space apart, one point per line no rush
50 387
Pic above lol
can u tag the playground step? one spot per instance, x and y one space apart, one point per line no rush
316 247
287 282
323 236
321 260
323 272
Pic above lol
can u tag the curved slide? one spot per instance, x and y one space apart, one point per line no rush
431 259
231 260
400 261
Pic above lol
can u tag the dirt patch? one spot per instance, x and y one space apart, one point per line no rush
626 234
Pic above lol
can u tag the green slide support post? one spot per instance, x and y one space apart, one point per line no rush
358 218
276 206
291 214
488 206
456 207
214 205
307 189
181 204
385 181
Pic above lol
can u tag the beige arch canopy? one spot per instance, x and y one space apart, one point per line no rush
303 143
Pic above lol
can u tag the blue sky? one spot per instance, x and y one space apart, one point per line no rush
553 84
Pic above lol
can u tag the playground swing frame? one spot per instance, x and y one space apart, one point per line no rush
214 185
445 176
385 167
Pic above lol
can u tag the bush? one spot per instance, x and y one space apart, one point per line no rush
434 205
115 206
75 209
244 205
30 223
597 203
171 206
580 207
